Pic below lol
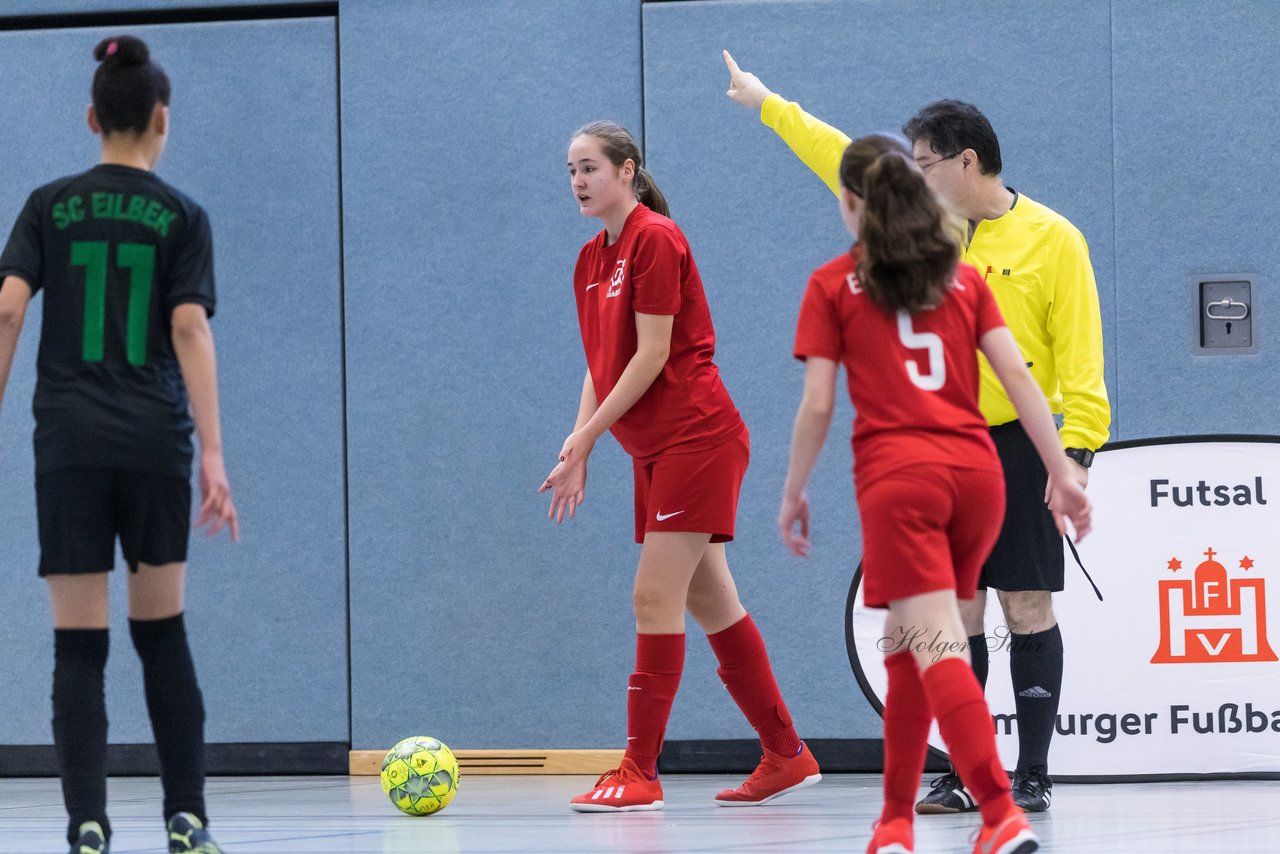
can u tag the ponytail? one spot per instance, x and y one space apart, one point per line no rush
620 146
909 251
648 193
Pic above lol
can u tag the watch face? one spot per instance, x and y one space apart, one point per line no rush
1081 455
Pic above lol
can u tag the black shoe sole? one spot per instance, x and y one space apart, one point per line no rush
939 809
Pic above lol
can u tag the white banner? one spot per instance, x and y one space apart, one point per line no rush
1176 672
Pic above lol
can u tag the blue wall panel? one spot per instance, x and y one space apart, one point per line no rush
1196 121
16 8
759 223
255 140
463 359
474 619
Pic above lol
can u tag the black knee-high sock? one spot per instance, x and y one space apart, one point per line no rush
1035 663
177 711
80 725
979 657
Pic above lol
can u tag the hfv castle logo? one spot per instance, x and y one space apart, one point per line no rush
1210 618
619 275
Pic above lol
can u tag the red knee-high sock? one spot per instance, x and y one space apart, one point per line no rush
965 722
650 692
745 671
906 736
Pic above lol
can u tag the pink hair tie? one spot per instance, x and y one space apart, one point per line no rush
112 48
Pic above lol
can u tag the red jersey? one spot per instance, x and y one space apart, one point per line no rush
649 269
913 379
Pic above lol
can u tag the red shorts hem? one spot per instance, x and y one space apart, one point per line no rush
928 528
694 493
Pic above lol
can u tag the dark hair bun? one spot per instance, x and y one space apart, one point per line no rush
128 51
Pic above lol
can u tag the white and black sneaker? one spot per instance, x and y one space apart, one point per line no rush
947 796
1032 790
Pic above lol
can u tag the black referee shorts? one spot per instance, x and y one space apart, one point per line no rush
1028 552
81 512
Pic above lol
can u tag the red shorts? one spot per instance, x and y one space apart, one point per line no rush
928 528
694 493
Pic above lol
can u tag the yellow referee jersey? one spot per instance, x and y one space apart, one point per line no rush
1037 264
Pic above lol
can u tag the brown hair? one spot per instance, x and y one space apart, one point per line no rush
909 250
620 146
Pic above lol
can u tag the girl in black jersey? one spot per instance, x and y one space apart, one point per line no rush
126 360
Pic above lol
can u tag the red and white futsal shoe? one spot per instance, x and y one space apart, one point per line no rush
1012 835
775 776
892 837
624 789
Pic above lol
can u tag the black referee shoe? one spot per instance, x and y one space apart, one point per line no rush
187 834
1032 790
91 840
948 795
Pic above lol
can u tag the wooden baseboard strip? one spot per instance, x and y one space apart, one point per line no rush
369 762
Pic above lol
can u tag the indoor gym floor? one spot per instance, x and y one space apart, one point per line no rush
256 815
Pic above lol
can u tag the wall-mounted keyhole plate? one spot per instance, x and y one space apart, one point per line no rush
1224 309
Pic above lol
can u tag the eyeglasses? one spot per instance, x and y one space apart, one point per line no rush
924 167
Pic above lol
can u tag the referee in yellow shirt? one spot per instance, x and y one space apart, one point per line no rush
1037 264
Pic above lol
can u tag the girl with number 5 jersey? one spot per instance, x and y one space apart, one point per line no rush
126 358
907 321
652 382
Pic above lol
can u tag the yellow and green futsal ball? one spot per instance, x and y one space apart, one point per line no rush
420 775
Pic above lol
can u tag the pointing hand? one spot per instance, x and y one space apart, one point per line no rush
744 87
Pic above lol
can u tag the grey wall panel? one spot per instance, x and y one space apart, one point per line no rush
255 141
464 367
760 222
1195 122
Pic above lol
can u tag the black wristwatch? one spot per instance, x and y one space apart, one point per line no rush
1083 456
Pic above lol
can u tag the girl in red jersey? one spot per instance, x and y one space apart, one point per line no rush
651 382
907 321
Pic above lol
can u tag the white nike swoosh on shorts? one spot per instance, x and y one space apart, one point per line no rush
664 517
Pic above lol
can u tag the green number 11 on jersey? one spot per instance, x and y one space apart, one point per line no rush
140 260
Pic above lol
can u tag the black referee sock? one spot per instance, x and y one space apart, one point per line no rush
80 725
979 657
980 660
177 711
1035 663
